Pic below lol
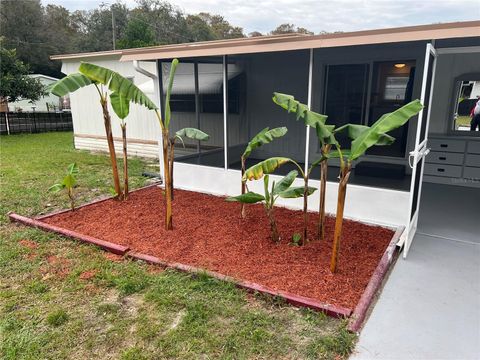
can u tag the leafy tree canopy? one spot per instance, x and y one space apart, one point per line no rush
15 83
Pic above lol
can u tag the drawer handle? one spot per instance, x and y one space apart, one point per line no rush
444 145
442 158
440 170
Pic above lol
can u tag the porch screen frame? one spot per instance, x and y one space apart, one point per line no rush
420 151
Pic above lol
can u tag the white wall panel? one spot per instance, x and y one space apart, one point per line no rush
367 204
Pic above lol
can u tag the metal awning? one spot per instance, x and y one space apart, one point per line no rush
299 42
465 29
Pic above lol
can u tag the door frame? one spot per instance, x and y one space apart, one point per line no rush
420 151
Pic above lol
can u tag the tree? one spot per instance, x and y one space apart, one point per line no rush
289 29
137 34
255 34
15 83
363 138
122 92
221 27
198 29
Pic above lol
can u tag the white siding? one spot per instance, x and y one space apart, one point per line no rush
87 113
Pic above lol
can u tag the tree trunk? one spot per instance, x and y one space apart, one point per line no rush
342 192
305 210
111 148
170 161
244 188
166 175
323 193
125 161
273 226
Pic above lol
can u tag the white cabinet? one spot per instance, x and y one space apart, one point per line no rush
453 161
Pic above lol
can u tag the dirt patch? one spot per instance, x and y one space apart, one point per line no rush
209 233
57 266
113 257
28 244
87 275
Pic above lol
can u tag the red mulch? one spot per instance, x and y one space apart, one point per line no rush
209 233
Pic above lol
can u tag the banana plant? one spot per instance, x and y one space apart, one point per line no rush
190 133
363 138
268 166
266 136
122 92
326 139
281 189
68 183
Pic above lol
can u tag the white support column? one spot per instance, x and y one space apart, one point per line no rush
309 104
225 111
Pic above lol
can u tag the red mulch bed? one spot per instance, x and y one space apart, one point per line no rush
209 233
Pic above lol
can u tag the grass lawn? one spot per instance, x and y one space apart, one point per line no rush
60 299
463 121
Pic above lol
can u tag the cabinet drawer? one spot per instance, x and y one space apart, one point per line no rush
447 145
438 157
471 173
443 170
473 160
474 147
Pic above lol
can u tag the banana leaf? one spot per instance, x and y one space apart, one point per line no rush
120 104
69 84
116 83
247 198
192 133
168 113
296 192
285 182
386 123
289 103
267 166
353 131
264 137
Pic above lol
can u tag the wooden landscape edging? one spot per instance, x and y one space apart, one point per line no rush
357 316
366 301
296 300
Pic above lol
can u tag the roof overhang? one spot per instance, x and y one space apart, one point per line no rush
289 42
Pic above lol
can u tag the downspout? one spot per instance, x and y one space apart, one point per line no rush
157 100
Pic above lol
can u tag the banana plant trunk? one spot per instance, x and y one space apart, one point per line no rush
166 175
305 210
72 199
244 188
170 164
125 161
111 147
323 194
342 192
273 225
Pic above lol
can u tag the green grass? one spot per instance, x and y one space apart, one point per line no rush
124 309
463 121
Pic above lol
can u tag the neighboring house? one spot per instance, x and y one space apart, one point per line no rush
225 89
48 102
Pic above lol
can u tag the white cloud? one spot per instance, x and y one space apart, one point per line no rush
318 15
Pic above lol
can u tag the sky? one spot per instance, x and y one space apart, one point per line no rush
318 15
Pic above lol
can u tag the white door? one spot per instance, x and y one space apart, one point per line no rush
417 156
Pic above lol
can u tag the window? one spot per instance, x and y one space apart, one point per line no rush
395 88
391 88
